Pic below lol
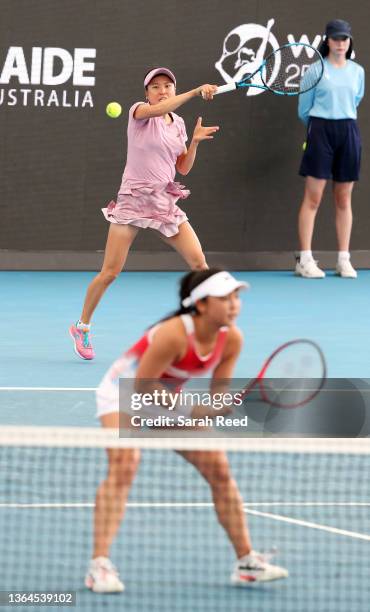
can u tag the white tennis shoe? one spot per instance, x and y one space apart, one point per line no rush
102 577
253 568
309 269
345 269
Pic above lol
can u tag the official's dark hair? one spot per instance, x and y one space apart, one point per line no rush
324 48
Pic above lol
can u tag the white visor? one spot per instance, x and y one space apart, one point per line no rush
218 285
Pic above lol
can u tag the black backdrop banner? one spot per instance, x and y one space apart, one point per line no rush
61 157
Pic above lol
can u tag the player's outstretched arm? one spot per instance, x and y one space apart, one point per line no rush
146 111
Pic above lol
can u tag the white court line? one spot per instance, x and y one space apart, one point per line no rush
285 519
48 388
49 505
187 504
275 517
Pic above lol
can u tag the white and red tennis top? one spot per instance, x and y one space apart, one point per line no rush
190 365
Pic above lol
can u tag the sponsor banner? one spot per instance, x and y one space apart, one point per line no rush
62 157
48 77
245 47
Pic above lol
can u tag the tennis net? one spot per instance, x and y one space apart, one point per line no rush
308 497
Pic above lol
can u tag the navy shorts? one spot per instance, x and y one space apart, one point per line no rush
333 150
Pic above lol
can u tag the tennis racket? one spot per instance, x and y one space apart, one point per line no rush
291 70
291 376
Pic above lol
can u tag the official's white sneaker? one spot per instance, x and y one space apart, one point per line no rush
345 269
309 269
254 568
102 577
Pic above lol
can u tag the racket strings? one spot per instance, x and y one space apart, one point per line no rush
287 73
294 375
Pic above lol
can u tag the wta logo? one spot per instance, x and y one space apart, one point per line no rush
48 77
246 46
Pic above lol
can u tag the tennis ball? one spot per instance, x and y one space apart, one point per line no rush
304 146
113 110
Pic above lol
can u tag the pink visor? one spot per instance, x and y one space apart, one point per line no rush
156 71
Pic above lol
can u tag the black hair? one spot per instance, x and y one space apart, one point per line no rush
324 48
187 284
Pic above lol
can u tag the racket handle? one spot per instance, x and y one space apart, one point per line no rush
224 88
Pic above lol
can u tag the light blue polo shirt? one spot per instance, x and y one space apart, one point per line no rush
336 96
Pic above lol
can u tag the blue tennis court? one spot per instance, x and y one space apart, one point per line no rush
38 307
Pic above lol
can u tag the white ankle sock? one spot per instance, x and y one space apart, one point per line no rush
305 256
343 256
83 326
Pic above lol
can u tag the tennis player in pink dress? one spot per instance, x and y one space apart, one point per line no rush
148 194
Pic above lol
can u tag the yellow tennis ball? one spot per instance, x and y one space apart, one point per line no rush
304 146
113 110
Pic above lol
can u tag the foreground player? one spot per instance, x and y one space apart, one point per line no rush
147 197
333 148
200 336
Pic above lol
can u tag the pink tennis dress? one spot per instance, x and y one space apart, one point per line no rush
148 193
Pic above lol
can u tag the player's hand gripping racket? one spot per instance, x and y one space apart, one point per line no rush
291 376
291 70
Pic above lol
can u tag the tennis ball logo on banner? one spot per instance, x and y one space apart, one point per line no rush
244 49
47 77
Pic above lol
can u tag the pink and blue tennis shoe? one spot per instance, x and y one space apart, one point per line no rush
82 345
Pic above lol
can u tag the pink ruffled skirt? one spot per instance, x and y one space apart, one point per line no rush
149 206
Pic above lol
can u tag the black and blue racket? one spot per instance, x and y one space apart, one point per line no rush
290 70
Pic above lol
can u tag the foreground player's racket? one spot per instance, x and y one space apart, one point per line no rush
291 376
289 71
